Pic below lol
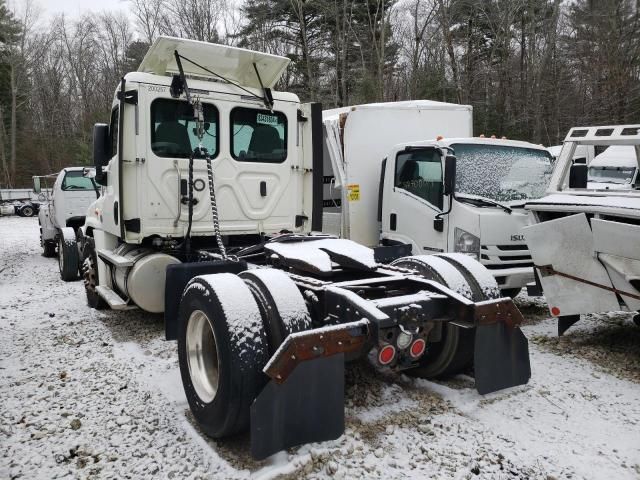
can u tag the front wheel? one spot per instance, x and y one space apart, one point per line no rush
48 248
90 274
222 348
68 258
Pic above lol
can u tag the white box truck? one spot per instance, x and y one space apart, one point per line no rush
401 199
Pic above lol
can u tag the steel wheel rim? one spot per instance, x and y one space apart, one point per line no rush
202 356
27 211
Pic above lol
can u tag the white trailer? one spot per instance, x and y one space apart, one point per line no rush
401 200
62 213
206 172
585 236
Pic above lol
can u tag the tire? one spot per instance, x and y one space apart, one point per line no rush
27 211
222 348
68 258
454 352
90 274
510 292
281 305
48 248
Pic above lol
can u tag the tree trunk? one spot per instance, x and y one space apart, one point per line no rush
3 153
14 106
448 40
552 32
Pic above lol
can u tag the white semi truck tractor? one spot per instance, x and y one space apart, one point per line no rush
211 190
401 200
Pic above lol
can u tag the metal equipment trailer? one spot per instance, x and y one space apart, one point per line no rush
264 311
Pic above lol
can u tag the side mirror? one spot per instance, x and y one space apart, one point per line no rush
101 151
449 175
578 173
36 185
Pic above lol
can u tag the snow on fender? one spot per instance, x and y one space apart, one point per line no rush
485 280
449 274
222 348
283 309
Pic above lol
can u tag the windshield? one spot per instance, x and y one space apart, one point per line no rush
502 173
75 181
621 175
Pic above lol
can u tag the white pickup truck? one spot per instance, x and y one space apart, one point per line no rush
401 200
62 214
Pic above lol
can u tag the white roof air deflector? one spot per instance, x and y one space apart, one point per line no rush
234 64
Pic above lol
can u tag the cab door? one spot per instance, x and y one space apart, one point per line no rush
413 198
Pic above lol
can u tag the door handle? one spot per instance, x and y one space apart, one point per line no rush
263 188
393 219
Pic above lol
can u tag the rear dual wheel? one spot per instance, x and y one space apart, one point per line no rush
229 326
454 352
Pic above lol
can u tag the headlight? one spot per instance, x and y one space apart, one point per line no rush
466 243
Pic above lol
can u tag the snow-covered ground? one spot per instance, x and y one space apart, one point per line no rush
92 394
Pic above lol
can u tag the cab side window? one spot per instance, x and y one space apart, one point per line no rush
420 172
113 131
258 135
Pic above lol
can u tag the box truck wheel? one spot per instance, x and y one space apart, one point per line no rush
48 246
281 305
222 348
454 351
90 274
68 258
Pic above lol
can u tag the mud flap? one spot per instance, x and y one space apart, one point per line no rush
307 407
565 322
178 276
501 357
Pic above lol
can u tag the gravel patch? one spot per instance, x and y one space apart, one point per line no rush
88 394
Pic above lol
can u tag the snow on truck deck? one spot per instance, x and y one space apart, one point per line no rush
88 394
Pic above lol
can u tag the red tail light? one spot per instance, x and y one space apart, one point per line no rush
386 354
417 348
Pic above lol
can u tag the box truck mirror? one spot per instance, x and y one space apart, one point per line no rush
101 147
36 185
449 174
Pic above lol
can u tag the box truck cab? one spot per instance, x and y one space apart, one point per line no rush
402 199
483 218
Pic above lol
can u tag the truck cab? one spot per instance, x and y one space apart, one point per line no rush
483 218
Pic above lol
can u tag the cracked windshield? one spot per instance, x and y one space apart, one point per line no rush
502 173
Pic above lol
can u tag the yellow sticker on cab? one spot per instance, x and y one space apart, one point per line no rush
353 192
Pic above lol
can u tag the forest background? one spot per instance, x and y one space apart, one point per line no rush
531 69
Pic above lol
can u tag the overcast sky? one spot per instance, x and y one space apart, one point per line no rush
73 8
